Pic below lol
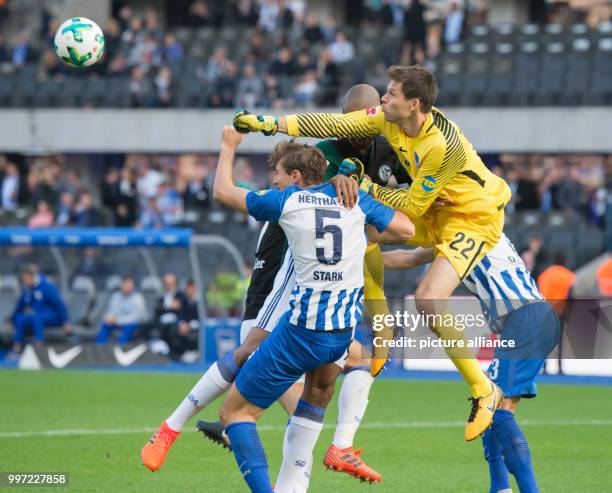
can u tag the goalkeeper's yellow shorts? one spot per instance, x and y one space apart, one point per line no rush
462 239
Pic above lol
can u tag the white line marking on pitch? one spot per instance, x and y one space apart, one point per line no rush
364 426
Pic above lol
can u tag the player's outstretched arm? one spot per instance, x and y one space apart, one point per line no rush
363 123
224 189
407 259
400 230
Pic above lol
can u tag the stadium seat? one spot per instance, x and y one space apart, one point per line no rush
81 297
6 91
151 289
552 75
501 76
184 35
9 294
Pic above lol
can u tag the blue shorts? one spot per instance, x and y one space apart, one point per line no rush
535 329
287 354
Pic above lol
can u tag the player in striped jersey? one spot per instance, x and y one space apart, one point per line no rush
443 165
327 243
517 312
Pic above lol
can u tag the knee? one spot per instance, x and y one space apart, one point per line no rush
320 395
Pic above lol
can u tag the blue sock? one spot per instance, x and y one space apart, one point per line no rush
250 456
515 450
228 367
497 468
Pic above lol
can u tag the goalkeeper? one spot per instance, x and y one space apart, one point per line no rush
443 165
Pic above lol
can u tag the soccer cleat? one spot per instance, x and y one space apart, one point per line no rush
153 454
348 461
481 415
214 431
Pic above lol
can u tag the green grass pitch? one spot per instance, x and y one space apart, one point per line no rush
412 433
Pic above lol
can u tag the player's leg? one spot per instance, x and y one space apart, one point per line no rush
352 403
431 299
304 429
534 329
375 301
104 333
213 384
127 333
353 396
281 359
19 321
239 417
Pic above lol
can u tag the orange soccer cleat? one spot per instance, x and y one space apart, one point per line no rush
347 460
155 450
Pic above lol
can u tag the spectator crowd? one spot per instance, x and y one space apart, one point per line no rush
286 56
151 191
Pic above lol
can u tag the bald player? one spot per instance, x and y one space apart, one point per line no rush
382 165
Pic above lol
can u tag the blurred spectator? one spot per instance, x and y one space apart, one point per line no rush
197 191
216 66
22 51
329 29
125 16
85 214
268 15
5 57
392 14
164 87
152 23
126 311
534 256
272 97
65 210
312 30
118 65
119 194
342 50
173 50
112 37
168 310
71 182
245 12
199 15
150 216
43 217
286 17
3 11
571 192
39 306
141 89
49 66
555 284
454 24
225 88
92 265
303 64
604 278
329 77
170 205
42 183
149 180
284 65
258 49
13 191
306 89
414 33
250 88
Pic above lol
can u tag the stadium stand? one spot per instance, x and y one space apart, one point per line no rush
195 65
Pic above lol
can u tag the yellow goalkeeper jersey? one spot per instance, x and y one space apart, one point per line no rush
440 160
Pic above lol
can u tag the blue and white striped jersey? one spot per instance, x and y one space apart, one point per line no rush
327 243
501 282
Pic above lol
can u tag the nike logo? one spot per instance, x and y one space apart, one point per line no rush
126 358
402 149
61 360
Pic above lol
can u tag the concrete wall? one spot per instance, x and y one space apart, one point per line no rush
490 130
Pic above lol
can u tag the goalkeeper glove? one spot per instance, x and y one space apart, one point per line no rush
351 167
245 122
366 184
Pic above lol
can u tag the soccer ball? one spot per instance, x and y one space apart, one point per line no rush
79 42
